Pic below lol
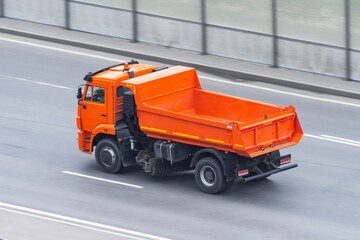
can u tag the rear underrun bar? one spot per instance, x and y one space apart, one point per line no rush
266 174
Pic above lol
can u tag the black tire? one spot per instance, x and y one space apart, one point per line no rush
107 155
209 175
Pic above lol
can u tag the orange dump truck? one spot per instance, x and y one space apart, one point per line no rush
161 119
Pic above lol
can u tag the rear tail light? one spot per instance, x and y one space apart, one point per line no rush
285 160
243 172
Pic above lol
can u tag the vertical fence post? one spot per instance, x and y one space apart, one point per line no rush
274 33
203 27
67 14
1 8
347 40
134 21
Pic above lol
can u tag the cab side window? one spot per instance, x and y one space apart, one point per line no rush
95 94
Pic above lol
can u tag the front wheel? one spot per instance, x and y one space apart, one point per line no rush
209 176
107 155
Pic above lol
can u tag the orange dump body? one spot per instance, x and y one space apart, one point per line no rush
172 106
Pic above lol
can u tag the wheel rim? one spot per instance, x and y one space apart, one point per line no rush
208 176
107 156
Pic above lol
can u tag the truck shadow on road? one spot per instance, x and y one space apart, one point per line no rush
183 183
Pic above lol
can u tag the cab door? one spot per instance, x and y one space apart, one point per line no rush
93 109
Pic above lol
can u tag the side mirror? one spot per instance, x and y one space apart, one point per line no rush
79 93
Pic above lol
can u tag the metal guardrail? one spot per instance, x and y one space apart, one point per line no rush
274 33
1 8
347 40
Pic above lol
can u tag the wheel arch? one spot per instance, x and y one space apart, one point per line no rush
227 162
101 136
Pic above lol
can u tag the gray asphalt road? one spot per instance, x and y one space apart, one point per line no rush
317 200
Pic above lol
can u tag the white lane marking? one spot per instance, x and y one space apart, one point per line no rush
77 222
71 224
333 140
102 179
341 139
279 91
61 50
37 82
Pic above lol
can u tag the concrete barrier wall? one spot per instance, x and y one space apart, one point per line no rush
101 20
239 45
355 65
169 32
50 12
312 58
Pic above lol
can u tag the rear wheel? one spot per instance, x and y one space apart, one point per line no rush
209 176
107 155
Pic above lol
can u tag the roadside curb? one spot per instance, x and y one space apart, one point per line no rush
199 66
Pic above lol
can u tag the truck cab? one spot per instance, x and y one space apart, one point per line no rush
100 101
